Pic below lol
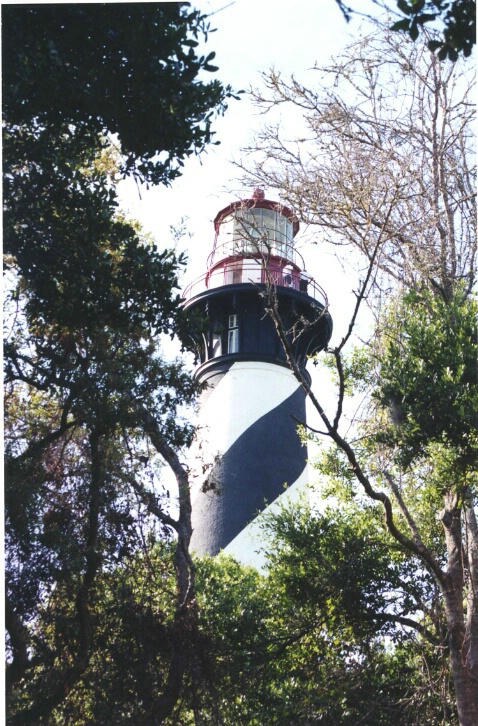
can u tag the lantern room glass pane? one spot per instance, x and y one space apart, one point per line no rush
247 231
226 237
255 231
269 221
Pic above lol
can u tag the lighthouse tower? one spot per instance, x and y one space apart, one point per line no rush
248 449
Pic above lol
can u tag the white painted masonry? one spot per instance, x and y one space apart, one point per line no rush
246 392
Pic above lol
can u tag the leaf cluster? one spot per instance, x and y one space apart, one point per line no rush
428 377
264 656
340 564
131 70
95 296
457 16
89 302
92 401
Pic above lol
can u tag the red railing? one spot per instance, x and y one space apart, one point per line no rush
250 247
253 272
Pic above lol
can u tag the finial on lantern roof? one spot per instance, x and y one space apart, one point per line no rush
258 194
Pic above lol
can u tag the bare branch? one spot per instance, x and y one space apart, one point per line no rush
403 508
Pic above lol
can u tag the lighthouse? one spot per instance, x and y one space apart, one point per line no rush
248 450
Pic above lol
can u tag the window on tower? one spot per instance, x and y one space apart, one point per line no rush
216 347
233 335
233 273
262 231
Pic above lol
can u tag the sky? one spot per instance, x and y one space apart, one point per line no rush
251 36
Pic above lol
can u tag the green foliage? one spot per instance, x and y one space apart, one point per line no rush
126 69
89 301
345 574
417 443
263 654
340 564
428 378
131 611
94 295
457 16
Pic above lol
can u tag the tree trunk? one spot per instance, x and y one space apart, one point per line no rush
463 664
462 667
471 627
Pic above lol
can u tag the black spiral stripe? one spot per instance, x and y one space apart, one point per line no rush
250 475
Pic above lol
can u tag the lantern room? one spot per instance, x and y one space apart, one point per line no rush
255 227
254 243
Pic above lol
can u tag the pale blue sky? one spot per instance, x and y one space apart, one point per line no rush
251 36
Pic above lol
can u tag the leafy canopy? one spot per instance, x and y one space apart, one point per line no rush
428 375
265 655
128 69
457 18
92 404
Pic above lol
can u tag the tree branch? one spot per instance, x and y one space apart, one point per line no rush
414 547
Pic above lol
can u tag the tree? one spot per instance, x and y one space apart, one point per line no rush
385 159
130 70
340 565
89 400
386 169
92 404
264 653
457 16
